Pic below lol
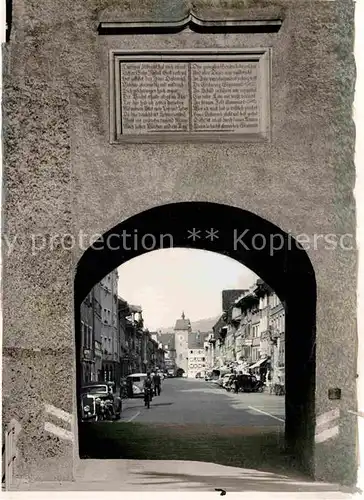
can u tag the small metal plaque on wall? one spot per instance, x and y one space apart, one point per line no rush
190 96
334 393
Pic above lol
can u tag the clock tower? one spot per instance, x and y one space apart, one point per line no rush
181 332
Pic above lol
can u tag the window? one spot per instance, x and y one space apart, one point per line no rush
83 339
90 337
203 359
281 354
191 352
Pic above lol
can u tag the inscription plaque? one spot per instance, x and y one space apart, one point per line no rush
191 96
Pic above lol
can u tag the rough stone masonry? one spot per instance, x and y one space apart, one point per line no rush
70 166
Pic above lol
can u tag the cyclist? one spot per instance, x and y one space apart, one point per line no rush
157 384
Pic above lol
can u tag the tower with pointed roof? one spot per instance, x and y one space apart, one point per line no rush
182 330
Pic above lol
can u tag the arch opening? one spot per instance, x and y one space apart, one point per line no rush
252 241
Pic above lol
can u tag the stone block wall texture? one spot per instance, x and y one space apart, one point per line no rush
63 176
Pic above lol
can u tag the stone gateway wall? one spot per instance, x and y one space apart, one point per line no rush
81 157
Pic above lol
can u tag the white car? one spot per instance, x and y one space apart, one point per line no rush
222 380
135 381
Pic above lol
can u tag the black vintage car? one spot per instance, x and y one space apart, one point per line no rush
99 402
249 383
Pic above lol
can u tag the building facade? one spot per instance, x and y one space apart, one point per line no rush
109 330
87 351
123 337
277 325
249 335
97 331
210 351
197 361
113 340
167 341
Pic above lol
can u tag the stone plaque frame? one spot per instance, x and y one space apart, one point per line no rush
261 56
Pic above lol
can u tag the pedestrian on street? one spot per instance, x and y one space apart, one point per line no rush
148 386
240 380
235 382
157 384
269 381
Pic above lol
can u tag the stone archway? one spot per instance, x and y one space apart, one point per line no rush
254 242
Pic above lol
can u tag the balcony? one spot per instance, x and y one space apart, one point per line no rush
107 356
98 352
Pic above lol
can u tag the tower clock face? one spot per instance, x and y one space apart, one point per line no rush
181 337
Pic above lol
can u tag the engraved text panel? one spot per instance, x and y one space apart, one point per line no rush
224 97
154 97
198 97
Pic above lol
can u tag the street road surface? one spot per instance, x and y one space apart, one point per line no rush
193 420
194 401
195 436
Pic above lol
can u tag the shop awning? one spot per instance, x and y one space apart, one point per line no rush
258 363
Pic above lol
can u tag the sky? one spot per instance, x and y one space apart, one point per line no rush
168 281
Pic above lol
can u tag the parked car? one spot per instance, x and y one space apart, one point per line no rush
217 375
226 380
223 379
229 383
249 383
99 401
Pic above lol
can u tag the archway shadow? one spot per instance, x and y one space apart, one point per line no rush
257 244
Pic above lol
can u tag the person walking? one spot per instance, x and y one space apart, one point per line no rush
148 389
240 380
157 384
268 382
235 382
